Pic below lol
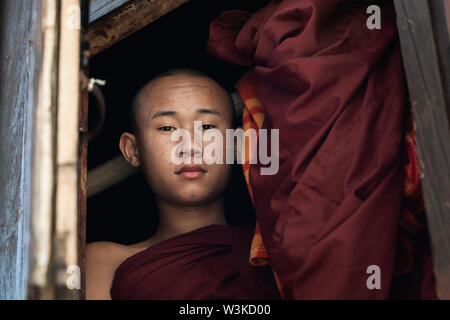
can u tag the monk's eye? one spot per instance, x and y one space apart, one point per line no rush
208 126
167 128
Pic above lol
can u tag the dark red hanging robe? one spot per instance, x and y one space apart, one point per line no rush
336 92
207 263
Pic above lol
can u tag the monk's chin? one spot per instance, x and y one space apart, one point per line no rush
196 198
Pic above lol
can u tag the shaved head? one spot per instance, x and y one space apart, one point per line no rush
137 99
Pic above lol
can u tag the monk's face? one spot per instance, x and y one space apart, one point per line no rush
171 105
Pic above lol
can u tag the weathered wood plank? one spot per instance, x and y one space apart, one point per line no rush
426 72
83 149
67 148
19 31
100 8
123 22
43 157
447 13
84 100
442 33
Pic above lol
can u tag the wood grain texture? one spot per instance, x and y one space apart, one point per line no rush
67 151
422 49
82 165
447 13
18 55
83 152
131 17
43 157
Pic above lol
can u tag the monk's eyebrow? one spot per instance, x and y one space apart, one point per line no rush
173 113
162 114
209 111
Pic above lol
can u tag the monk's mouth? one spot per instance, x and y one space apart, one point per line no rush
191 172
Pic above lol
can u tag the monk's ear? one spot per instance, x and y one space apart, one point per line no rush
129 148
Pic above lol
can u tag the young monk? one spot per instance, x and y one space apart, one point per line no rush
194 254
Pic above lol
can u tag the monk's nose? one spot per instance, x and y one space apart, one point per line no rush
192 149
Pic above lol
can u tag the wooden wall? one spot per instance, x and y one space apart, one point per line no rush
18 20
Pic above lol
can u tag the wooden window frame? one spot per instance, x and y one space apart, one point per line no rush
428 76
424 39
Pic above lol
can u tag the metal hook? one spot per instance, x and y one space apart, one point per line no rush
92 85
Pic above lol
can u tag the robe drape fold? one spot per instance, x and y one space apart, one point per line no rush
207 263
336 91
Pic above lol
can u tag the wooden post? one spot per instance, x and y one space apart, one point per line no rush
21 36
425 48
67 148
83 148
447 13
43 173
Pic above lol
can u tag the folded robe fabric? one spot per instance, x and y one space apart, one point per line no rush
336 91
413 272
207 263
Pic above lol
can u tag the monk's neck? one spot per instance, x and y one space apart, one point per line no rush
175 219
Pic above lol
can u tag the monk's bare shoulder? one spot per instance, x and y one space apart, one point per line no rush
108 253
102 260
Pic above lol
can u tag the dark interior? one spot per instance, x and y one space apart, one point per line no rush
126 213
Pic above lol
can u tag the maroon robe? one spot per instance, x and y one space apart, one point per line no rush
207 263
336 91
